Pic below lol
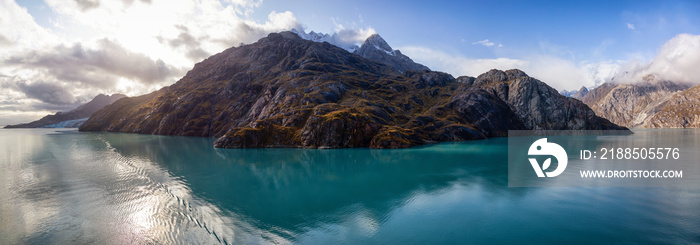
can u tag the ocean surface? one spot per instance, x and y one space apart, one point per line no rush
60 186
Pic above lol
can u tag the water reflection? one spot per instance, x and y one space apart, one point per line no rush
75 187
289 190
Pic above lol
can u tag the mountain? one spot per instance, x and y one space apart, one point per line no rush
73 118
376 49
580 93
332 39
285 91
631 105
568 93
576 94
681 110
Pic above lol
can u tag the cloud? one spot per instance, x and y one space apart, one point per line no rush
46 92
19 31
4 41
630 26
458 65
349 36
192 45
676 61
120 46
558 72
144 28
484 42
245 6
86 5
99 67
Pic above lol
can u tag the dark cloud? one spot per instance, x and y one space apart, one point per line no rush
46 92
101 67
4 41
85 5
187 41
129 2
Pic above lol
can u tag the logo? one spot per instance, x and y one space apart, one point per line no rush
543 148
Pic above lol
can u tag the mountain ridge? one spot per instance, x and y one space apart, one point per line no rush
285 91
373 48
632 104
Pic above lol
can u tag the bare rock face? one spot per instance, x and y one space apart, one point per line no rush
681 110
284 91
539 106
631 105
71 118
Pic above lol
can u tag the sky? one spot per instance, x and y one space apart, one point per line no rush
57 54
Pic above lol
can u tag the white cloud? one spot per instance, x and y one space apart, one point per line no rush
345 37
19 32
484 42
458 65
558 72
117 46
630 26
145 27
677 61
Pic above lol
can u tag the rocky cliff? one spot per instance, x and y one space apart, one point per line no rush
73 118
284 91
631 105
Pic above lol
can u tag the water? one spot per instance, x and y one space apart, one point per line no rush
66 187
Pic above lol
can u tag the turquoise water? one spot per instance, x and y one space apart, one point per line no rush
66 187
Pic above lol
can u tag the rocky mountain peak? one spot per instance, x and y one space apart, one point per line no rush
583 91
492 76
515 74
378 42
375 48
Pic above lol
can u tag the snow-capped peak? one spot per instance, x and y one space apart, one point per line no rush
320 37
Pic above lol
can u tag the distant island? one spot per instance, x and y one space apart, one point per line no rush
73 118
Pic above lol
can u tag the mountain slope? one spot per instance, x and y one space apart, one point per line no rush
284 91
631 105
681 110
71 118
